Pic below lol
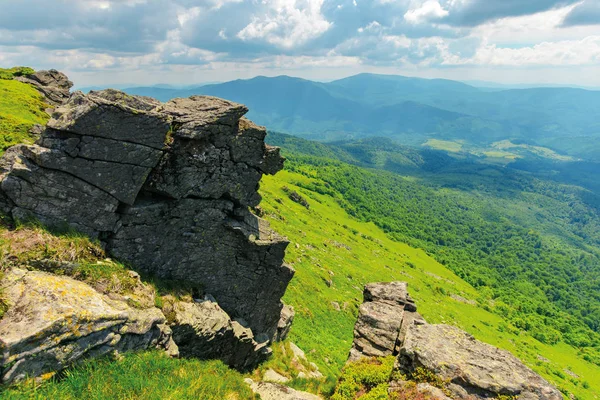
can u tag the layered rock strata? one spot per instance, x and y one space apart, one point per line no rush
54 321
388 324
166 187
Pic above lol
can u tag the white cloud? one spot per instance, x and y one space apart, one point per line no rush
287 23
431 10
558 54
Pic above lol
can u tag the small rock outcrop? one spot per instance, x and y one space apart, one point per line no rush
380 320
203 330
472 368
54 85
54 321
388 324
276 391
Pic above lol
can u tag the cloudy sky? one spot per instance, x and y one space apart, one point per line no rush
193 41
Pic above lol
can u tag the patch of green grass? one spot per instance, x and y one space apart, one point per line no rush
446 145
21 107
71 254
10 73
335 255
144 376
365 379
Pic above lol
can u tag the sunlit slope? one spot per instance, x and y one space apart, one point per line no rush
334 256
21 107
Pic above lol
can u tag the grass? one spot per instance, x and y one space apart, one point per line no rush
367 378
453 147
328 245
70 254
145 376
21 107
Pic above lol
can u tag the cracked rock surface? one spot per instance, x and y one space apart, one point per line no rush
388 324
166 187
55 321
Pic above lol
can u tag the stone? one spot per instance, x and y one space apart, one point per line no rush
275 391
377 331
271 375
474 369
285 323
54 85
203 330
54 321
165 188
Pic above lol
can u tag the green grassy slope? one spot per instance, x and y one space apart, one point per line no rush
335 255
21 107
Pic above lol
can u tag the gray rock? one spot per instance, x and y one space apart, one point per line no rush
53 322
275 391
113 115
202 241
376 330
166 187
271 375
204 330
474 369
285 323
52 84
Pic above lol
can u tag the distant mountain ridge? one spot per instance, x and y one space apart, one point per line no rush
413 110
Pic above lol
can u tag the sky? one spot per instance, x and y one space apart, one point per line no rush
184 42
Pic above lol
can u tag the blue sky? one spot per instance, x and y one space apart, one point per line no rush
193 41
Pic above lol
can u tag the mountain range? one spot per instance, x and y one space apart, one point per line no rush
414 111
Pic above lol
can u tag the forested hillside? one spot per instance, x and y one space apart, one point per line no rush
531 247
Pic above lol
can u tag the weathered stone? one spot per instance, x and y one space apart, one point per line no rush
56 198
52 84
271 375
474 369
55 321
113 115
199 241
285 323
166 188
376 330
275 391
394 293
203 330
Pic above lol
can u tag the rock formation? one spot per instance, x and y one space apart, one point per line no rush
54 85
54 321
202 329
166 188
388 324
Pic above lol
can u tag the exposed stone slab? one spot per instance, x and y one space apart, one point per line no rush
275 391
203 330
474 369
54 85
54 321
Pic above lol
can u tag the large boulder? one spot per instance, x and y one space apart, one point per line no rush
52 84
203 330
55 321
166 188
380 320
474 370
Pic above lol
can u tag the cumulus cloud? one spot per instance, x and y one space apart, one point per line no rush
287 23
431 10
146 36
